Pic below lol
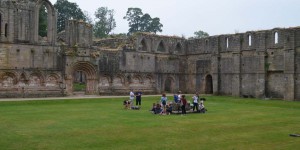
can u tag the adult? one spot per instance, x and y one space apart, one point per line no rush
179 95
176 97
195 102
163 101
178 101
183 103
138 97
131 97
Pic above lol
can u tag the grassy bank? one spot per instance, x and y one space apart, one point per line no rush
230 123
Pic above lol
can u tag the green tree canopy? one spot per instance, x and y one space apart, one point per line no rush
139 22
104 23
67 10
200 34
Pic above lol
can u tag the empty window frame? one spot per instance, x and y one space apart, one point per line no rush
6 30
0 24
276 38
227 42
178 48
249 40
161 47
143 45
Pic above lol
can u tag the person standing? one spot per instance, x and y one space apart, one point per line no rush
183 104
131 97
138 97
164 100
179 95
176 98
195 102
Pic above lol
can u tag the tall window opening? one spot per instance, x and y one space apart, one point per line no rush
178 48
143 45
169 85
43 21
250 39
276 37
208 84
227 42
6 30
161 47
206 42
0 24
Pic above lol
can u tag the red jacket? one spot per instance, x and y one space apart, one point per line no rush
183 101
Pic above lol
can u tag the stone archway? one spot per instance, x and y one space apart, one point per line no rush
91 77
169 85
208 84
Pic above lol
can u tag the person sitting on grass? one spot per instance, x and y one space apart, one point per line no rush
153 107
202 108
126 104
169 109
158 109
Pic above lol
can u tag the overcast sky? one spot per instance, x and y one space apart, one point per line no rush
184 17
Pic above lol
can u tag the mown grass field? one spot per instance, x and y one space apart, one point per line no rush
230 123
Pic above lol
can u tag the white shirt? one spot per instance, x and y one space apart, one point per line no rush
195 98
131 95
179 97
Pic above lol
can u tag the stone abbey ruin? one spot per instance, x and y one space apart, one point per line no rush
262 64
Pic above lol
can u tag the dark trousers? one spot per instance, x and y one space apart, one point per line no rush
183 109
195 106
138 101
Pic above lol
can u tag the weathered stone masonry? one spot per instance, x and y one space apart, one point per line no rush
263 64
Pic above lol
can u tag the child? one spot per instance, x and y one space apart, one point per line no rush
153 107
201 108
158 109
126 104
169 109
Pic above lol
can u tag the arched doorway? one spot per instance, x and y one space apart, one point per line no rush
86 74
169 85
79 81
208 84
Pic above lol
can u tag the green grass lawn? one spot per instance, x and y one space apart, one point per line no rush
230 123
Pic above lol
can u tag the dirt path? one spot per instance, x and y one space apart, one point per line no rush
67 97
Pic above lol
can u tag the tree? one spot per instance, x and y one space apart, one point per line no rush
67 10
139 22
104 23
133 15
155 25
88 17
200 34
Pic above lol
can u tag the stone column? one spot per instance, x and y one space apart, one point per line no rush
236 78
262 66
261 75
289 74
215 61
91 86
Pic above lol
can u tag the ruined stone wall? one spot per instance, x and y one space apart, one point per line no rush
78 33
144 62
263 64
251 64
29 66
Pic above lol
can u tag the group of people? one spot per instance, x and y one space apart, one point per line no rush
128 104
165 108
